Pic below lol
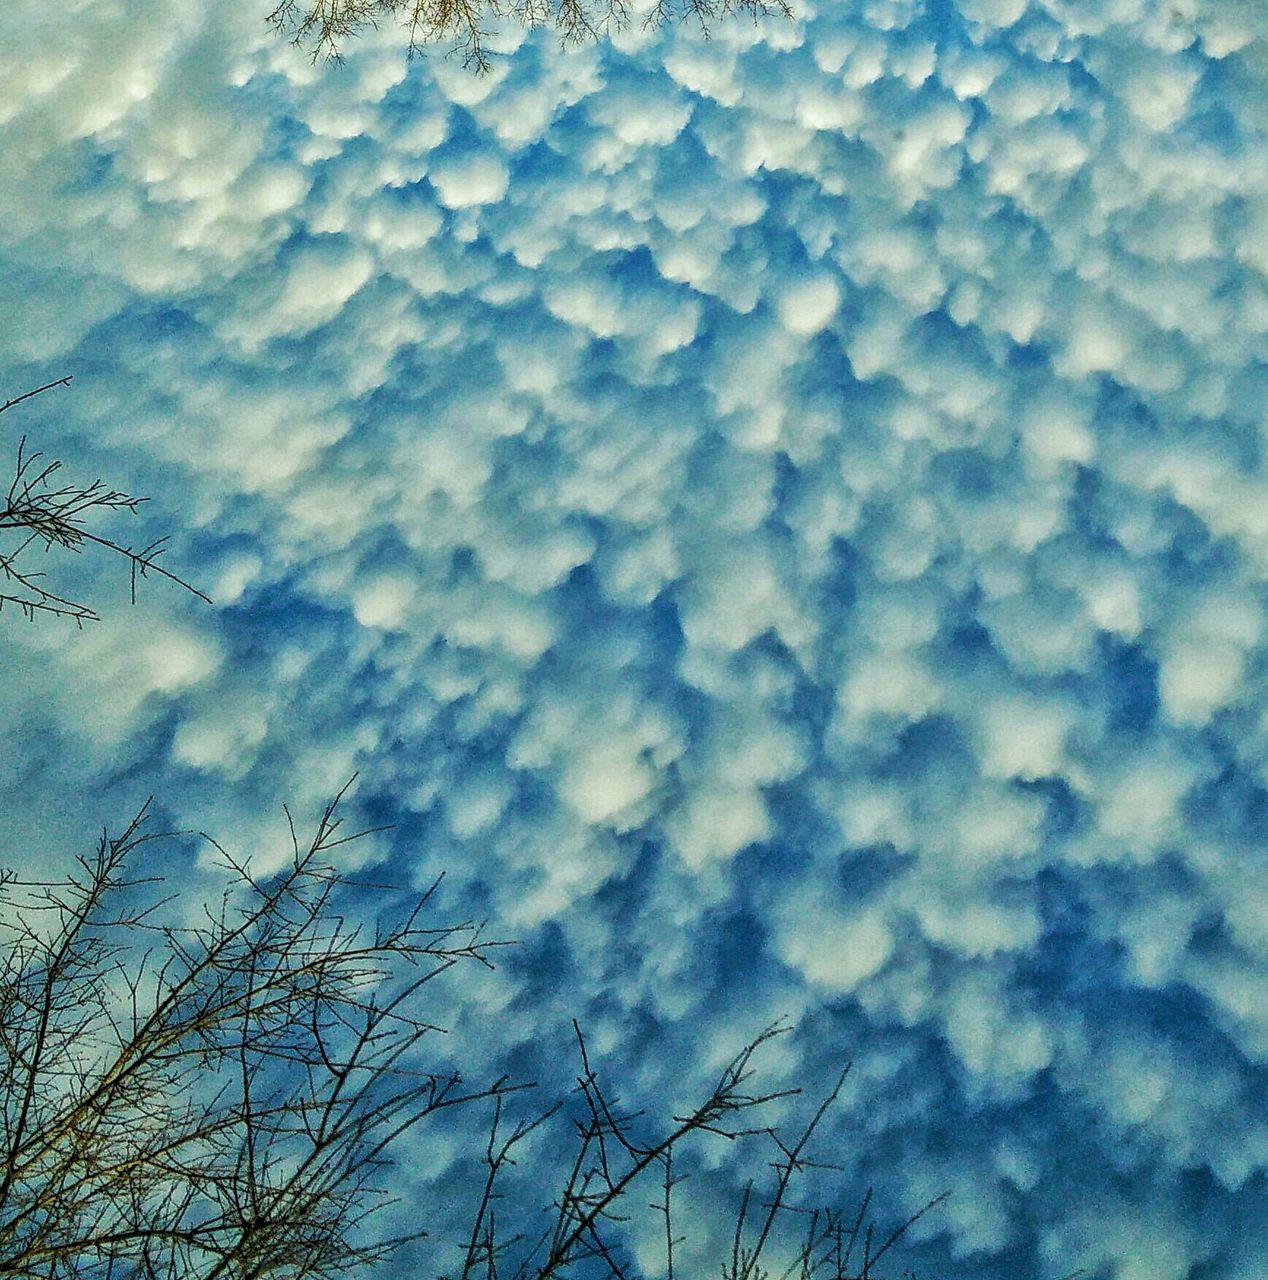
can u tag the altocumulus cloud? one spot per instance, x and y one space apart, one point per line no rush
782 520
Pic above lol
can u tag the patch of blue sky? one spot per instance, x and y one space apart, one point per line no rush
780 521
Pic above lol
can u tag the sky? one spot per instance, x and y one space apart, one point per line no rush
781 521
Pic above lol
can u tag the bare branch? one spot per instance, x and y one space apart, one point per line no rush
43 513
224 1111
323 27
26 395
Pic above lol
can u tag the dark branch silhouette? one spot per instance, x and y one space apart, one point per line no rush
222 1104
40 514
585 1218
219 1101
323 27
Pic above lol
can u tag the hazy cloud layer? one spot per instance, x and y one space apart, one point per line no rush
783 521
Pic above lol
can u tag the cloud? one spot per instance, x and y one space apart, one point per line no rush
470 180
779 519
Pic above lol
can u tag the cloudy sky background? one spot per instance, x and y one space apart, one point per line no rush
782 522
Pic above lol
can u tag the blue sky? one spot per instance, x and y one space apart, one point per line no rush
780 521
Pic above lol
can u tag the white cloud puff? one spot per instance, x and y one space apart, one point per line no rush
807 306
474 179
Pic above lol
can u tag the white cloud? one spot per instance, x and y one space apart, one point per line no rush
819 467
835 953
807 306
318 282
474 179
714 825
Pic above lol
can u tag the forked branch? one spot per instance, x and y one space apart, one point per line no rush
323 27
588 1213
215 1100
39 513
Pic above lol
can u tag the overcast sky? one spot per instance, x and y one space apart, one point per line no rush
781 521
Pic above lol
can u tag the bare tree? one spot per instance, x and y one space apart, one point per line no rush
587 1216
38 513
322 27
595 1200
219 1102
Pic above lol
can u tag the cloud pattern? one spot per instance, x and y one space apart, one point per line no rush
780 520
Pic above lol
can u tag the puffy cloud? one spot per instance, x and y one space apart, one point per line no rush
780 519
473 179
806 306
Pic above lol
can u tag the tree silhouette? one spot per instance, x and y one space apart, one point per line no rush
586 1217
220 1100
322 27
